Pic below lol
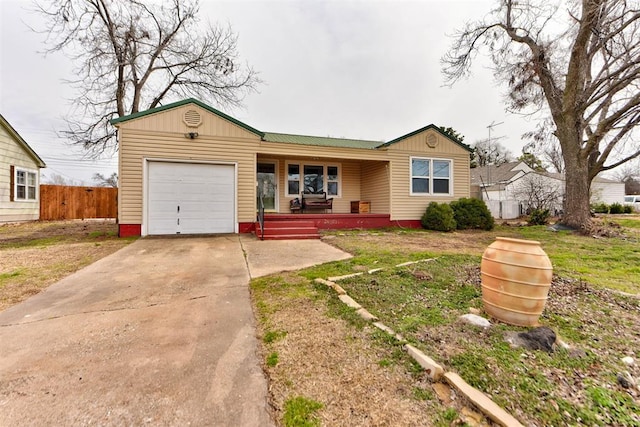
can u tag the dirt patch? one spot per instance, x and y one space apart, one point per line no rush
325 359
34 255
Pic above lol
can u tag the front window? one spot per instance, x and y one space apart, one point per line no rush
26 185
313 179
430 176
293 179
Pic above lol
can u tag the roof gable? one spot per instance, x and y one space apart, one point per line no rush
432 127
180 104
21 142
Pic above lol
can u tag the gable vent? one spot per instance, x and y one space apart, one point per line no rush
432 141
192 118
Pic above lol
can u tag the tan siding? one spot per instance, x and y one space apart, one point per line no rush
418 144
374 186
171 121
137 145
12 153
407 207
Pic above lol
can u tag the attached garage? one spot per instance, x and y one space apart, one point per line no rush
190 198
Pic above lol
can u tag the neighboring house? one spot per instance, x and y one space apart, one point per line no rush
188 168
20 177
604 190
511 188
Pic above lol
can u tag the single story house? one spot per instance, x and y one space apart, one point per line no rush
508 189
20 177
187 168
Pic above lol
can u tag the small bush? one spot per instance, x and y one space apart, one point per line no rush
439 217
616 208
539 217
472 213
601 208
628 209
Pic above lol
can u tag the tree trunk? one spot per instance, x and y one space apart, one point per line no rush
577 211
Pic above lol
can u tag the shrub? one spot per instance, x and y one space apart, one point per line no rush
539 217
472 213
439 217
602 208
628 209
616 208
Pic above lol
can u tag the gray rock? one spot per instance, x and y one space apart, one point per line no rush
475 320
541 338
624 381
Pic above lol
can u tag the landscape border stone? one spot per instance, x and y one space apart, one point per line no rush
434 370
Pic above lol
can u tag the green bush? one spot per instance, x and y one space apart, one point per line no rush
539 217
602 208
439 217
472 213
616 208
628 209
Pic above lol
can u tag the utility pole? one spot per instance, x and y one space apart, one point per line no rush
490 127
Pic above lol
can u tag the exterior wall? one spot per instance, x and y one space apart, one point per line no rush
350 181
405 206
162 136
375 186
607 192
381 176
12 153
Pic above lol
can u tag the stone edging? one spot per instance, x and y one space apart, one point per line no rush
434 370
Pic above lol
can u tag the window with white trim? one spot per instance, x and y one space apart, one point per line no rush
430 176
313 178
26 185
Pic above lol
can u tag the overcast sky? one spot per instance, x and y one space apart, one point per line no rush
353 69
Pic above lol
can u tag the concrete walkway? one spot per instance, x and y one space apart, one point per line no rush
159 333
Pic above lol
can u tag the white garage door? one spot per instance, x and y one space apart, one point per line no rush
186 198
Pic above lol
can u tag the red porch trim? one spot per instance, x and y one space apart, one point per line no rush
246 227
335 221
129 230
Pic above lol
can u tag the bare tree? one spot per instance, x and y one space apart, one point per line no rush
106 181
57 179
630 175
132 55
580 61
486 152
539 192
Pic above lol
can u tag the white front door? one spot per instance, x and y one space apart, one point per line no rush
187 198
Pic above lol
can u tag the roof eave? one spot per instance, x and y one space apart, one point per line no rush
39 162
415 132
115 122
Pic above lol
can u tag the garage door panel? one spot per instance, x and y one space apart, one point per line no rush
204 193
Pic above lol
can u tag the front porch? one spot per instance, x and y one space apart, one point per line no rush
307 226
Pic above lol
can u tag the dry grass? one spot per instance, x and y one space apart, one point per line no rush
325 359
34 255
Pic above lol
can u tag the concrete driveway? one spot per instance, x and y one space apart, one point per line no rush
159 333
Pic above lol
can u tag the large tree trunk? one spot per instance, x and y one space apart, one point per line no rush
577 211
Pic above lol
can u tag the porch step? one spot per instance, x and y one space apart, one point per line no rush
286 230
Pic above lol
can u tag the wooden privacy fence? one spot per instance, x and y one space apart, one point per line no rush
65 202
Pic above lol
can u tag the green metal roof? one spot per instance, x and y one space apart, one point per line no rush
185 102
289 138
22 142
320 141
